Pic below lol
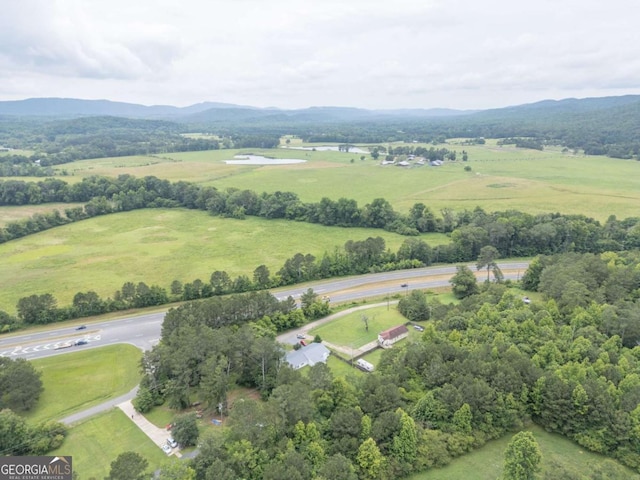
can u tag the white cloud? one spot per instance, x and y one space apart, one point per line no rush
296 53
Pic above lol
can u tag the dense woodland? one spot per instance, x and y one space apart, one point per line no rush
482 368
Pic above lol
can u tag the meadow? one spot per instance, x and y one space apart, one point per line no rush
501 178
159 246
561 459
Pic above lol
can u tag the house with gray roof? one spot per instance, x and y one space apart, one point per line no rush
308 355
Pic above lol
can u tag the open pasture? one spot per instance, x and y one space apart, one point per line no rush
501 178
12 214
561 458
156 247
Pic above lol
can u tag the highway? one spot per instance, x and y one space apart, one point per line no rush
144 330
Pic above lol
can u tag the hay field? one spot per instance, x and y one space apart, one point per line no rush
156 247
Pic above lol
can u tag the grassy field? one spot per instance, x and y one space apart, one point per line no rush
350 330
559 455
11 214
95 443
501 178
79 380
157 247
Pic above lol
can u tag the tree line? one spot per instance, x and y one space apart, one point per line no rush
512 232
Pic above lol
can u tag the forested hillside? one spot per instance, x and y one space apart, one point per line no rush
598 126
481 368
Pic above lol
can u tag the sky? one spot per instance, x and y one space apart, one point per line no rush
462 54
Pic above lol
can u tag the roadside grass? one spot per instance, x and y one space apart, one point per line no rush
98 441
559 457
350 330
157 246
79 380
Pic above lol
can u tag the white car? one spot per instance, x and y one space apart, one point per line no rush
171 442
166 448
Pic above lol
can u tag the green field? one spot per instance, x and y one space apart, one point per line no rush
350 330
79 380
559 457
97 442
501 178
157 247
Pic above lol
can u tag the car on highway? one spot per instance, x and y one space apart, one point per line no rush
81 327
404 285
81 342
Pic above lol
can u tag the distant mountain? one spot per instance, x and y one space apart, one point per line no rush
202 112
565 106
72 107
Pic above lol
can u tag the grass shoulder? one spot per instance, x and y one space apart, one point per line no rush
77 381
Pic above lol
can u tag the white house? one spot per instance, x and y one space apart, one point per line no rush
308 355
392 335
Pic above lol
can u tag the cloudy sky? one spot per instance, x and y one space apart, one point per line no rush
464 54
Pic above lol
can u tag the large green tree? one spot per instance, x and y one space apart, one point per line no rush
128 466
20 384
464 282
185 429
522 457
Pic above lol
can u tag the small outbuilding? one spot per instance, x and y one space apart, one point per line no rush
392 335
308 355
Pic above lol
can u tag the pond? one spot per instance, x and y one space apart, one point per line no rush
260 160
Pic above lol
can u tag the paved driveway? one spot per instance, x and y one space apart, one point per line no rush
157 435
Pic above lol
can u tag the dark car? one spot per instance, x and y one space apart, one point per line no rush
81 327
404 285
81 342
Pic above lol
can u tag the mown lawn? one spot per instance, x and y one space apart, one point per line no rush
560 457
351 330
98 441
76 381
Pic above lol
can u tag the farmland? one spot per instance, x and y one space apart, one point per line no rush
157 247
501 178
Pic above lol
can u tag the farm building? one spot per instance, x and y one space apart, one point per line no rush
392 335
308 355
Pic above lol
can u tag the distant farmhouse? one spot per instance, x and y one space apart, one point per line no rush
387 338
308 355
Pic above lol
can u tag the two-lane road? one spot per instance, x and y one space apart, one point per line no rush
144 330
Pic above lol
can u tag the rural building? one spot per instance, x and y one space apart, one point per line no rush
308 355
363 364
392 335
